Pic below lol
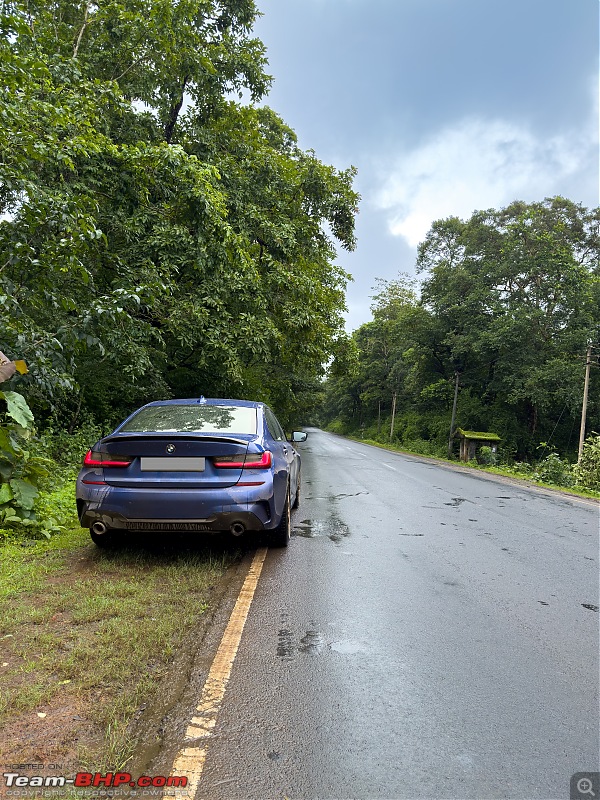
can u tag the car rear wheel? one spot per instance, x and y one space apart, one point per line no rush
280 536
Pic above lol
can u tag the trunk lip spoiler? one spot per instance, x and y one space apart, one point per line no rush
119 437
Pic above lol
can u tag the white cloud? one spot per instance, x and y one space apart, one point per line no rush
478 164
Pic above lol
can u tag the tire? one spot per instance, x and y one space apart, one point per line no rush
297 498
103 540
280 536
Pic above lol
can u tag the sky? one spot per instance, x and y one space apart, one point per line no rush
444 106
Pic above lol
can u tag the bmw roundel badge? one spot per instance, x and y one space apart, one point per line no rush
170 448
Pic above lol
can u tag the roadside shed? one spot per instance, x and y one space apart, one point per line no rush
471 441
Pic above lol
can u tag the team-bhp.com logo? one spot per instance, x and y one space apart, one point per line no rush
93 779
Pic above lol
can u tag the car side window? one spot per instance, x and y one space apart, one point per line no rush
274 427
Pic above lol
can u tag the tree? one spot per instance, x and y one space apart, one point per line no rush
159 238
518 293
509 300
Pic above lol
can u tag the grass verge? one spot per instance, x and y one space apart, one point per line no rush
87 636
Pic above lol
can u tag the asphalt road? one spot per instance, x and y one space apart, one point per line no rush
425 635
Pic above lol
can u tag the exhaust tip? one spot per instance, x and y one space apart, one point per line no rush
99 528
237 528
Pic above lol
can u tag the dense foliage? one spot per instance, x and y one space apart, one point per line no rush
157 238
21 469
509 300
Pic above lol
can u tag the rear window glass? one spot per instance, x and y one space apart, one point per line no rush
194 419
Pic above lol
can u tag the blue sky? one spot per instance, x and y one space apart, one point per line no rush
444 106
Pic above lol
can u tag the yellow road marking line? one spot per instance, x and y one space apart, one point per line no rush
190 760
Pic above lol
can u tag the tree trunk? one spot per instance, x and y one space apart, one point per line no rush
393 415
174 113
533 417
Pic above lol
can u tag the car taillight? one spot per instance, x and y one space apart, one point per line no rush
251 461
94 458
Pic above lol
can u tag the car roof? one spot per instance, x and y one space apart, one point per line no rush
208 401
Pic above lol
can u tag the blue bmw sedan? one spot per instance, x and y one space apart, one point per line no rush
192 465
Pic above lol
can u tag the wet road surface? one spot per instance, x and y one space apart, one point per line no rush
429 633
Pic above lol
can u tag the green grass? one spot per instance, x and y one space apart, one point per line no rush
524 476
81 624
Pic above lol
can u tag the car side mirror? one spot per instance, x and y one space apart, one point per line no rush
299 436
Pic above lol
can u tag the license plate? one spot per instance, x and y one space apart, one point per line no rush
172 464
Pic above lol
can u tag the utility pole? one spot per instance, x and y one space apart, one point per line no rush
451 435
586 386
393 415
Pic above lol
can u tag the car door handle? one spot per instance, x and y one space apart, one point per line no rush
284 450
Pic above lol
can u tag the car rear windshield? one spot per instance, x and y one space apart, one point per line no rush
194 419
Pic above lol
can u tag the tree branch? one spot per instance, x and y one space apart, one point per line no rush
174 112
82 31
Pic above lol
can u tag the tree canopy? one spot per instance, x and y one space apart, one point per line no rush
509 300
157 237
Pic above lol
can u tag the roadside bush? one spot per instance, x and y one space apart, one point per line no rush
37 474
408 426
553 469
519 468
22 469
55 508
587 472
370 432
337 426
424 447
55 504
68 449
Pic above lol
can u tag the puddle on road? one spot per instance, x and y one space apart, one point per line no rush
339 532
312 642
333 527
309 528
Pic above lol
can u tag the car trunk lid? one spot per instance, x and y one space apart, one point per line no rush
173 460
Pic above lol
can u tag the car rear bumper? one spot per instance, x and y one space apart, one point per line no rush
219 522
175 510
